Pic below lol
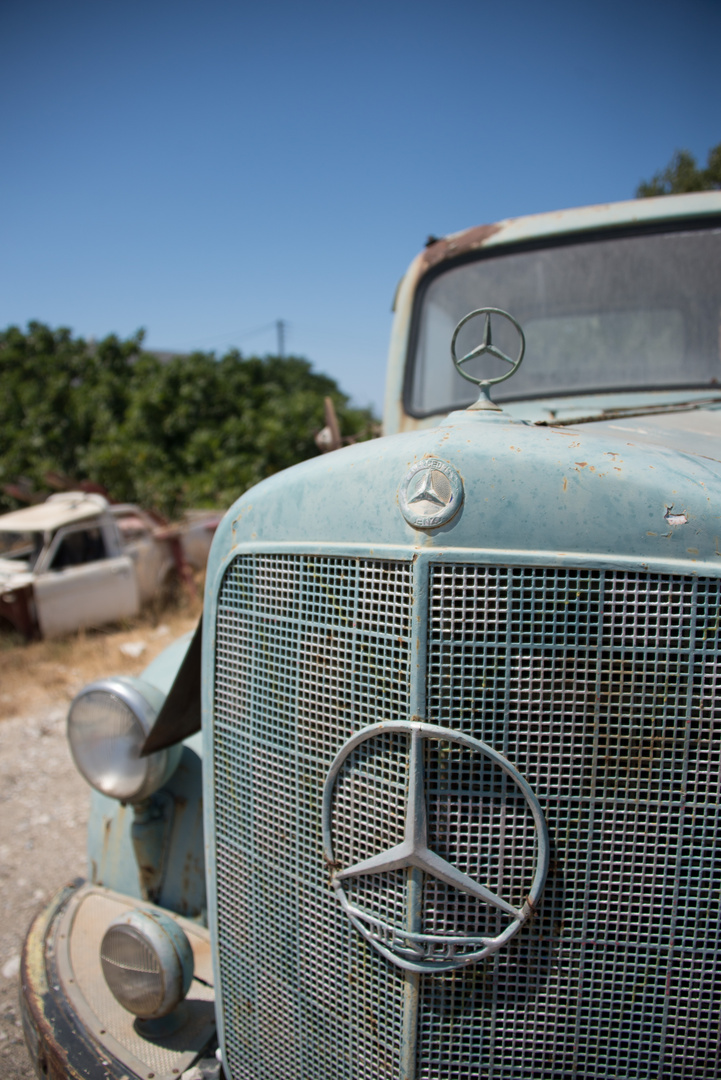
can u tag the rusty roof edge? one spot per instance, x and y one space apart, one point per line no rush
456 244
575 219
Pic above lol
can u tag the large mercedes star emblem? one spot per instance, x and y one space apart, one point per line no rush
430 494
487 347
404 940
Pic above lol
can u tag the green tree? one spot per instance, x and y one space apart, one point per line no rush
682 174
195 431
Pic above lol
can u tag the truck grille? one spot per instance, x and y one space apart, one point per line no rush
600 689
308 651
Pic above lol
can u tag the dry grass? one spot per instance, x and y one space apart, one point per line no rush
50 673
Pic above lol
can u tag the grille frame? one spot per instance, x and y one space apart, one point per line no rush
420 562
389 554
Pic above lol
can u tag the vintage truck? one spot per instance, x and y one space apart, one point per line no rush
436 791
77 561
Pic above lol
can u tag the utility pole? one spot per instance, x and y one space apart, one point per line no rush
280 326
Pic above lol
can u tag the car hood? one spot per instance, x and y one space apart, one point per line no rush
549 494
584 408
13 575
691 431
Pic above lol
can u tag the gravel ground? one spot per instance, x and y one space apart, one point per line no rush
43 814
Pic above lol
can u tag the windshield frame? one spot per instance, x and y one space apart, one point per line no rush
37 540
702 223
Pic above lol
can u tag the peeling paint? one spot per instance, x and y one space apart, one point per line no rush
456 244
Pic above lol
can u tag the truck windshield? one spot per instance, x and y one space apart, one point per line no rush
634 312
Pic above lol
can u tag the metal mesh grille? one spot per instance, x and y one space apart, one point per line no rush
371 789
600 688
480 822
308 651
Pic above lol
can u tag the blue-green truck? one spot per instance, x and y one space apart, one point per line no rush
435 792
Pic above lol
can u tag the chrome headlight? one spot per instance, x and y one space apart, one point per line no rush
147 961
108 723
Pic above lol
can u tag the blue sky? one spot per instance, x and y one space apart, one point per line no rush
204 169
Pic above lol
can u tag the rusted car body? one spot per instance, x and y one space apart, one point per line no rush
453 716
77 561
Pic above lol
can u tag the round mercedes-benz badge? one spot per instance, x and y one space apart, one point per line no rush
430 494
437 847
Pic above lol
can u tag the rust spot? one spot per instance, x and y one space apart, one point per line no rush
107 832
450 247
331 866
581 464
18 609
565 483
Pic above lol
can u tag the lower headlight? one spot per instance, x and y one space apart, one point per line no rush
147 962
108 723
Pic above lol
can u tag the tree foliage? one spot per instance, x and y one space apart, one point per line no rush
192 431
682 174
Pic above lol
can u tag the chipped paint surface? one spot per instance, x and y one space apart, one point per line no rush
73 1028
175 872
593 510
456 245
59 1048
161 858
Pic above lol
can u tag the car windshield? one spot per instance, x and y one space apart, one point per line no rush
632 312
24 548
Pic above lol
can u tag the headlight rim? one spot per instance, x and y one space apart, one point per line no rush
144 701
172 949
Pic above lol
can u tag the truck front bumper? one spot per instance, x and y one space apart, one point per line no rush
74 1028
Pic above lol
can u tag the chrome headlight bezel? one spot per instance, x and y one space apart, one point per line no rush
149 994
110 760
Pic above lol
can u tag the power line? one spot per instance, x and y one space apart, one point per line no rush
240 335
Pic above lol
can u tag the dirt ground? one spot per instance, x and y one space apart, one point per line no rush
46 674
43 800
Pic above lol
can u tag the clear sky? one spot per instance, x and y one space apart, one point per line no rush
204 169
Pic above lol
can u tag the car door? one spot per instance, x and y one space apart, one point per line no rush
150 557
84 585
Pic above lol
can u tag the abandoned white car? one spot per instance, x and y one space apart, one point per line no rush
77 561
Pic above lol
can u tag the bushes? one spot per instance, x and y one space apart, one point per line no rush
192 431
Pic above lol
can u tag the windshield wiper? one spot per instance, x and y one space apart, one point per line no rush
630 410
